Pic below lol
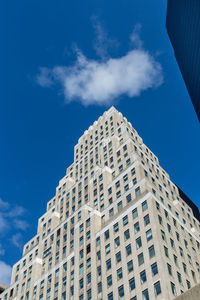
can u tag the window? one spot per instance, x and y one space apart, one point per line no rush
133 171
126 235
97 241
64 281
136 227
149 235
81 268
117 184
157 288
166 215
151 251
137 191
179 277
106 235
128 198
134 181
173 288
135 213
88 278
128 250
188 284
65 267
146 220
63 296
121 291
189 259
88 262
49 279
99 287
125 220
143 277
119 206
181 251
132 283
169 269
117 242
125 177
140 259
109 281
169 228
107 249
145 295
118 257
184 268
116 227
89 294
111 212
119 273
99 270
163 235
144 206
160 220
130 266
154 269
81 283
108 264
110 296
138 242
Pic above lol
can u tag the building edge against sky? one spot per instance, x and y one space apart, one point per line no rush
183 28
117 227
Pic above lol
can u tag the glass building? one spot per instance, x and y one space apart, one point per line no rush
183 27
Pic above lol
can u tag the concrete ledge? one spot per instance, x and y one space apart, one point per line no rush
191 294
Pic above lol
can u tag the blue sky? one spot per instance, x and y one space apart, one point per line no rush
40 104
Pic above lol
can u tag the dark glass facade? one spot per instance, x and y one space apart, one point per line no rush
190 203
183 26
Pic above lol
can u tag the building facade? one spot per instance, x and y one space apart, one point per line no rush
183 28
116 228
191 294
3 287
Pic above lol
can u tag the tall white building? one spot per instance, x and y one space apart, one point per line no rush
117 227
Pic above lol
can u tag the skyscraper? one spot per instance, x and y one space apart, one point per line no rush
183 28
117 227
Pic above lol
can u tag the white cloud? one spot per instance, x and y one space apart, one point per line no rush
5 273
94 82
101 82
16 240
11 221
102 42
21 224
4 205
17 211
44 78
135 37
4 224
2 251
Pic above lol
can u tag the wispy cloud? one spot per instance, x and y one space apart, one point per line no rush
12 221
100 82
4 205
5 273
17 240
16 211
45 78
21 224
4 224
135 37
2 250
102 42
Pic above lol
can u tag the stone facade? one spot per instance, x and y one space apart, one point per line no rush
116 228
191 294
